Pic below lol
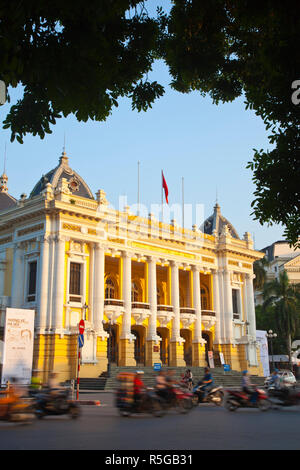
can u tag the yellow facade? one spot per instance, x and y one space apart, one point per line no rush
134 314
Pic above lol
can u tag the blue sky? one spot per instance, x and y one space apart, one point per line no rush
185 135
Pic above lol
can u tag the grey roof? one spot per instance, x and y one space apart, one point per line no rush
77 185
6 201
217 222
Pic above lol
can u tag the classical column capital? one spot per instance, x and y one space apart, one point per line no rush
196 268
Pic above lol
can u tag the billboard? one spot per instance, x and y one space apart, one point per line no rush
261 338
18 345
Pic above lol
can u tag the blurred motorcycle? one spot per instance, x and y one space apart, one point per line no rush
179 398
52 402
15 408
239 399
215 395
283 396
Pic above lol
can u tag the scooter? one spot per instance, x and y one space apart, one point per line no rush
239 399
215 395
47 404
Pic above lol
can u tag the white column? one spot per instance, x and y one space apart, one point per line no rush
126 324
175 301
197 304
18 278
58 281
228 313
43 283
152 293
250 306
98 297
2 276
216 292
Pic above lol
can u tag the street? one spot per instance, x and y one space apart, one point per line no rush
205 427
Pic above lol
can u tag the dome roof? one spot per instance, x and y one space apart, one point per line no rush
6 200
217 222
76 184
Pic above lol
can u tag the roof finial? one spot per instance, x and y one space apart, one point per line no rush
3 178
64 159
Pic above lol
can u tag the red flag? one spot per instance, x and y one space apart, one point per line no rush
165 186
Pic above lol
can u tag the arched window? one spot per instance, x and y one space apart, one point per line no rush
110 290
204 299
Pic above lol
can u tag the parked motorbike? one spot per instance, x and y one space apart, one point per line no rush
215 395
47 404
284 396
15 408
239 399
149 403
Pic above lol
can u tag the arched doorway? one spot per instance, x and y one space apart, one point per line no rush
208 344
164 345
187 335
139 344
112 343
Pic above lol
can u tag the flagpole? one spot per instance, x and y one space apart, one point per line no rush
138 196
162 198
182 202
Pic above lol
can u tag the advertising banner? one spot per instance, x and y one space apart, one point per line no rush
261 338
18 345
211 359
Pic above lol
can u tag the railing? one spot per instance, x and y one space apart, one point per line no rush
187 310
208 313
114 302
165 308
140 305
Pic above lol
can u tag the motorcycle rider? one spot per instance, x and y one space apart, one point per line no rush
275 379
206 383
138 388
161 385
248 387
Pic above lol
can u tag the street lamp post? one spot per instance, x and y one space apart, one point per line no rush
110 323
85 307
271 336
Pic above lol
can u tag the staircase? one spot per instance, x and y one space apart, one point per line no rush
227 380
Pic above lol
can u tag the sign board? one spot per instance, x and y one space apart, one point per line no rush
211 359
262 340
157 366
222 358
80 341
81 327
226 367
155 348
18 345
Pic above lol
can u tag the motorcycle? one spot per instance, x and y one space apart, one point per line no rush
215 395
47 404
177 397
15 408
239 399
284 396
149 403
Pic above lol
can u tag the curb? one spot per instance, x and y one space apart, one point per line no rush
89 402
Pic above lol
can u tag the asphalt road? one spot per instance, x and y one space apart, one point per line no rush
205 427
